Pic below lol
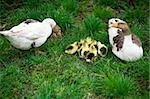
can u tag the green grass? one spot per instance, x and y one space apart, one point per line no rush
92 24
70 5
104 13
54 74
116 84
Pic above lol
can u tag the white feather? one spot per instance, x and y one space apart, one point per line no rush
112 33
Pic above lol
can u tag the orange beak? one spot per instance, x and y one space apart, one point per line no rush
115 25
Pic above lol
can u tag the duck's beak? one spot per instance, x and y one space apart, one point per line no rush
115 25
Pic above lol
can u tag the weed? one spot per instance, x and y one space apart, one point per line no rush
104 13
62 18
137 14
106 3
92 25
71 6
116 85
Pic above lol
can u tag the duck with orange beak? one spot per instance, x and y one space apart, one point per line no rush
126 45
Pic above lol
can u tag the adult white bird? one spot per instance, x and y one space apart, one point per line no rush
30 33
126 45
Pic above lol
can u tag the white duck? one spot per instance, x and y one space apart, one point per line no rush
126 45
30 33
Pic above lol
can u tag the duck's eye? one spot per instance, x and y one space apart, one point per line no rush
116 20
111 23
121 23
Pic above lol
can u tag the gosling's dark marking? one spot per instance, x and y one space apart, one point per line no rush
96 47
90 56
85 53
80 51
89 45
69 48
103 50
33 44
79 46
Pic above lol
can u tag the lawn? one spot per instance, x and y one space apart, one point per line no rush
54 74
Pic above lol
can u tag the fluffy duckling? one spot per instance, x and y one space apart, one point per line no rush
89 57
102 49
89 41
87 49
30 33
126 45
92 53
83 50
80 44
72 48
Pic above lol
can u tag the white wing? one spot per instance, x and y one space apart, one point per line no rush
22 26
32 31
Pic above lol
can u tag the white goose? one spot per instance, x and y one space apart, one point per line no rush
30 33
126 45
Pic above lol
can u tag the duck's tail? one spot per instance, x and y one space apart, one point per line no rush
4 33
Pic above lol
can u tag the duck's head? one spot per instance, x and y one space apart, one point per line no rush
49 21
80 44
114 22
89 57
72 48
118 23
88 40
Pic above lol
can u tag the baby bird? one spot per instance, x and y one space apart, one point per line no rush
88 49
83 50
89 41
102 49
92 52
126 45
80 44
72 48
30 33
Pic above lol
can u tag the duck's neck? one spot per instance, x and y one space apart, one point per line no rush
127 32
